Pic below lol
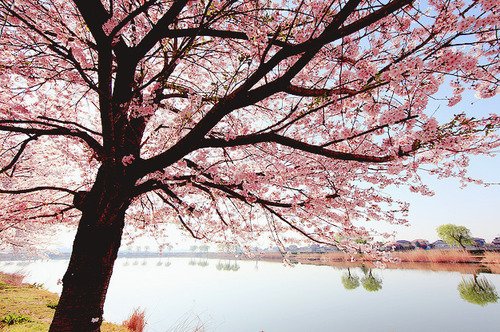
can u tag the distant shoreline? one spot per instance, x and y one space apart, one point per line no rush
435 259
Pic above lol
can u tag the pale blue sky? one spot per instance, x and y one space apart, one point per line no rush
475 207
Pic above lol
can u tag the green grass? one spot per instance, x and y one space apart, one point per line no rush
31 327
12 319
33 302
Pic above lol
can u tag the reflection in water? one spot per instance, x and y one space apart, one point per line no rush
305 292
163 262
371 283
364 269
227 266
349 280
477 290
23 263
203 262
144 262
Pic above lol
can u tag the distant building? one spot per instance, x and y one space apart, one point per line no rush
313 248
332 249
317 248
407 245
479 242
440 244
389 246
421 243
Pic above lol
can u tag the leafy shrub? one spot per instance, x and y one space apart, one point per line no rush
12 319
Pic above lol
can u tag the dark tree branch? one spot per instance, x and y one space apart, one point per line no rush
95 15
133 14
242 97
311 92
369 19
19 153
179 215
295 144
310 48
70 123
294 227
57 48
226 34
369 131
6 125
160 29
35 189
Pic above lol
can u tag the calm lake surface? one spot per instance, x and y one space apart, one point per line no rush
180 294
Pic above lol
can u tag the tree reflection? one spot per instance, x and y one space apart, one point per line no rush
203 262
371 283
364 269
162 262
227 266
477 290
350 281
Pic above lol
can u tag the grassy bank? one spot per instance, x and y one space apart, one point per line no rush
438 256
28 307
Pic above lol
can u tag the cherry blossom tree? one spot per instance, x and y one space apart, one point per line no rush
235 120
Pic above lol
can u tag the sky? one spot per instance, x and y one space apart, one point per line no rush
476 207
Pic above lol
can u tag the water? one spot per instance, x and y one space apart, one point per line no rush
180 294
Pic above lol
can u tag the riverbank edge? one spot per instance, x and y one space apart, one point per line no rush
452 260
32 306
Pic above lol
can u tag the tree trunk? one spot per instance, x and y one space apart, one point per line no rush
460 243
95 249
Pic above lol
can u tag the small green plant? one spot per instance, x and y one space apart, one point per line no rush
12 319
37 285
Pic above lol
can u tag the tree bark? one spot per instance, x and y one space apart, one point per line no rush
95 249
